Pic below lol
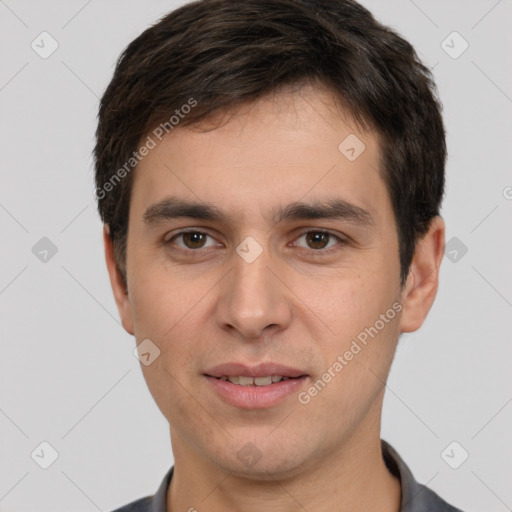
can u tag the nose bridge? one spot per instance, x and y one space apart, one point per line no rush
251 270
252 298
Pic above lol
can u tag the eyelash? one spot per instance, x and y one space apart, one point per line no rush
315 252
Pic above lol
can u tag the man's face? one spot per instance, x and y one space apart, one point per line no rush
252 288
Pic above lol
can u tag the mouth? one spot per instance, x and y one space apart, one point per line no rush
244 372
260 392
256 387
242 380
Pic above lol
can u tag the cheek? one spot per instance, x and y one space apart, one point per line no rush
167 389
355 299
360 319
161 301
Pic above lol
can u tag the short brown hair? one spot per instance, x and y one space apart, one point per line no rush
221 53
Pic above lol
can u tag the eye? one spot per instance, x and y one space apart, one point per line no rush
316 241
319 240
191 240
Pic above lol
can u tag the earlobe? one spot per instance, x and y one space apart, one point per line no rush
120 293
423 279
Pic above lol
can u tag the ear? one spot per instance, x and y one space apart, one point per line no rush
422 282
116 281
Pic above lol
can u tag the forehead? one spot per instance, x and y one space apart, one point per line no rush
286 147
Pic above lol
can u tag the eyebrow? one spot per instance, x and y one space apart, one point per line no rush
171 208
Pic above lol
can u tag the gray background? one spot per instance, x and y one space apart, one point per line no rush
68 375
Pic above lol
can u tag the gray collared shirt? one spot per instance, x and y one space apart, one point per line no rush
415 496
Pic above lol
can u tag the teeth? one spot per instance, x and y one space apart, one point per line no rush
256 381
262 381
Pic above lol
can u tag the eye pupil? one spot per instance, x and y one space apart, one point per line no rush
196 239
317 237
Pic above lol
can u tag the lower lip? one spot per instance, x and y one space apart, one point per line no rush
255 397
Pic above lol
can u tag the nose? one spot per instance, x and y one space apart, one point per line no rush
253 300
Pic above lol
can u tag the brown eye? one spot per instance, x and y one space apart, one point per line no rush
194 240
191 240
318 240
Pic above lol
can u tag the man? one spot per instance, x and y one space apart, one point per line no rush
270 174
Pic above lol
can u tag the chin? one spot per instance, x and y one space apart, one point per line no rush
270 470
263 459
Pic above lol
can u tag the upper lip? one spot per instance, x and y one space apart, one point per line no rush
260 370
